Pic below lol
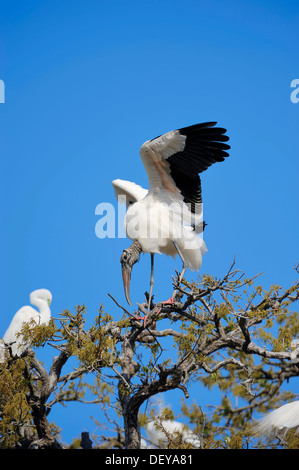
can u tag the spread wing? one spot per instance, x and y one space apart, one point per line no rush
174 160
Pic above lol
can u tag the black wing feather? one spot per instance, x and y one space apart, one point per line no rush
205 145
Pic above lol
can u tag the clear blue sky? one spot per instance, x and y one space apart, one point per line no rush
86 83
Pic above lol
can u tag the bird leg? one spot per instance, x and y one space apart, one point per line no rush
144 319
171 300
182 273
151 282
179 281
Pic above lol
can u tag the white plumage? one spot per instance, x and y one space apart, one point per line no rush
285 417
158 225
157 433
168 218
131 192
41 298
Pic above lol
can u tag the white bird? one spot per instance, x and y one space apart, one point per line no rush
167 218
41 298
157 433
286 417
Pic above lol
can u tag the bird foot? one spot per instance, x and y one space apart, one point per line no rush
143 319
169 301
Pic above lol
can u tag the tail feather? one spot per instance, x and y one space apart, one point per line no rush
192 250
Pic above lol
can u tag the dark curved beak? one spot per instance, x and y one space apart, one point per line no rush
126 273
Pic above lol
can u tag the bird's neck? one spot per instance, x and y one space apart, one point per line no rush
135 249
44 310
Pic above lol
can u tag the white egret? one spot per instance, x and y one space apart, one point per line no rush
286 417
167 219
157 433
40 298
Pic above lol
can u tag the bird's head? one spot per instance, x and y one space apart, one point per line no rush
38 295
129 257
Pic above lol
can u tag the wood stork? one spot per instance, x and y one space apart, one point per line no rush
285 417
167 218
41 298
